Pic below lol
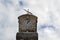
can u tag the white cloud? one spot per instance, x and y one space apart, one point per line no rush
1 17
47 11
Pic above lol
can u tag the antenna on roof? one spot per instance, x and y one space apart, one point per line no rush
27 11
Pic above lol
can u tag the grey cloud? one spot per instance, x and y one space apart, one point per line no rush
49 26
23 4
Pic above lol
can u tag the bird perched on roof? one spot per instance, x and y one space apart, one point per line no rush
27 11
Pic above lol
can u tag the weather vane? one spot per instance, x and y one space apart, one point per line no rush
28 12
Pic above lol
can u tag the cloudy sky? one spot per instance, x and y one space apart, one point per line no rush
47 11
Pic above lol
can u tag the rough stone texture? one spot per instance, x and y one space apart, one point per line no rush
27 27
27 36
24 26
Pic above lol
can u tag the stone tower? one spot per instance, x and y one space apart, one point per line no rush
27 27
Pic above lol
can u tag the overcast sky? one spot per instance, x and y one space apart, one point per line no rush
47 11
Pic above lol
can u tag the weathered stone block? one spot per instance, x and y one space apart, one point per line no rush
27 23
27 36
